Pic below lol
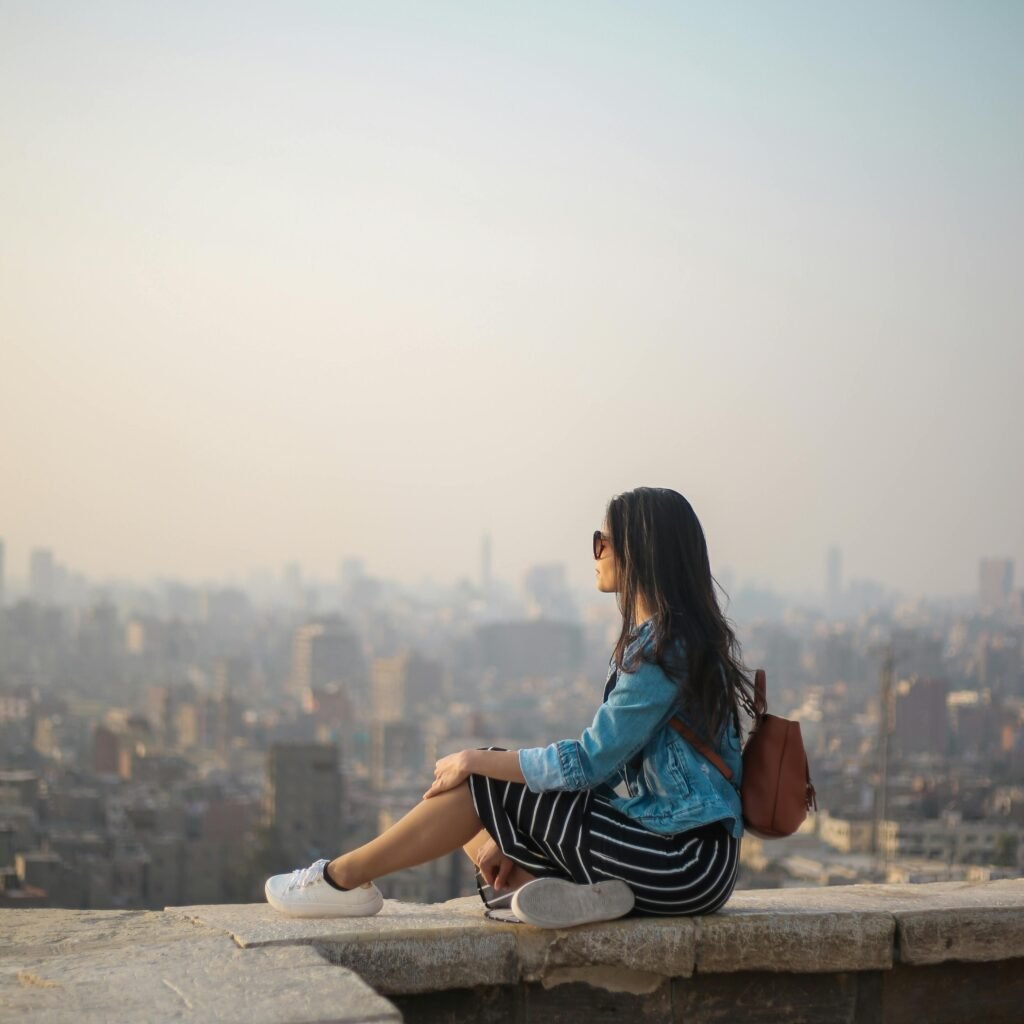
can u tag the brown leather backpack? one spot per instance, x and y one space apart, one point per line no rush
776 790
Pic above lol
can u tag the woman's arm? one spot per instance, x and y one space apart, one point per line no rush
496 764
455 768
641 702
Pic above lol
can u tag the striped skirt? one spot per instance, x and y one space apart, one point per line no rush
581 837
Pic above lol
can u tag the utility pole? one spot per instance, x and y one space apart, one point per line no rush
885 729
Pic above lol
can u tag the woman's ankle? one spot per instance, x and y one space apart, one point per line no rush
338 872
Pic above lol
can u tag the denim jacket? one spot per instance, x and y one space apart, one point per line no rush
669 787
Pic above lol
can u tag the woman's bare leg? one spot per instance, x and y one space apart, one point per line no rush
431 829
518 877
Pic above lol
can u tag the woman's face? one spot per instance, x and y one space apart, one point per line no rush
604 567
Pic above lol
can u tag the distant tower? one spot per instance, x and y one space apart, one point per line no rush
485 565
40 575
833 578
995 582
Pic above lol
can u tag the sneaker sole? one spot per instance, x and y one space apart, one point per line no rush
369 906
554 903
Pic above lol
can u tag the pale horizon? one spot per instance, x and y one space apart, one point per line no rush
309 282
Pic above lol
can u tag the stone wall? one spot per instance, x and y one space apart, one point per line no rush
927 954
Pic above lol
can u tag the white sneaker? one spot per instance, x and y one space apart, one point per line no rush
556 903
306 893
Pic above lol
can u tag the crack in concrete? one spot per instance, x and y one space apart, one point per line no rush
177 991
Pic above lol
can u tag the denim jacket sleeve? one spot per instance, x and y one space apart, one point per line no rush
640 702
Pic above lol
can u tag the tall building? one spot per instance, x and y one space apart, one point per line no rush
995 583
405 685
833 579
917 652
397 754
323 652
1000 664
303 800
387 683
40 575
922 717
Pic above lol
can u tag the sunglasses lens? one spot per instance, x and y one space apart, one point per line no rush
598 547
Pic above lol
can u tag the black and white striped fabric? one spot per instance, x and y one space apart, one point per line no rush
581 837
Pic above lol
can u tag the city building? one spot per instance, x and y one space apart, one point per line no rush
303 800
324 652
387 686
952 840
397 753
922 720
41 576
995 583
535 648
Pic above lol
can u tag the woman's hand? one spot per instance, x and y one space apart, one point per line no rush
449 772
494 865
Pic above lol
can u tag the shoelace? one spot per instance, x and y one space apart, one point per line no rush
303 877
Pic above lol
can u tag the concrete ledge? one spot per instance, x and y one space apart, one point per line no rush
418 948
841 953
97 966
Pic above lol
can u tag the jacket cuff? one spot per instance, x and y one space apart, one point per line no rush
553 767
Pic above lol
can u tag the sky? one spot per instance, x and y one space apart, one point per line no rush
309 281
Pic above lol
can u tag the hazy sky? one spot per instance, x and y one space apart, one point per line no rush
311 280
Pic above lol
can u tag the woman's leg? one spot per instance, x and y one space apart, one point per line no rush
431 829
518 876
472 848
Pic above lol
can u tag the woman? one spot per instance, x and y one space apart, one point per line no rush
628 818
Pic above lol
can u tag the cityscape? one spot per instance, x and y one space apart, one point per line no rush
174 744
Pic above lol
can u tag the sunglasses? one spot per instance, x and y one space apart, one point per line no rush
600 543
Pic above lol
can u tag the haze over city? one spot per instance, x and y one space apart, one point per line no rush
328 330
306 283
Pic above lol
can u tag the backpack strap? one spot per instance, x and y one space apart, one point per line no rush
695 741
760 708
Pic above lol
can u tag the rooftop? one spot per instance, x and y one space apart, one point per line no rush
942 952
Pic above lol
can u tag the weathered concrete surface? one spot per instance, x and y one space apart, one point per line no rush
970 921
651 947
66 966
413 948
803 943
258 924
406 948
851 953
801 930
934 923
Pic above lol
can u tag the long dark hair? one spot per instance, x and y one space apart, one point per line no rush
661 555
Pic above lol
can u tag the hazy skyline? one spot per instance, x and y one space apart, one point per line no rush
308 281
